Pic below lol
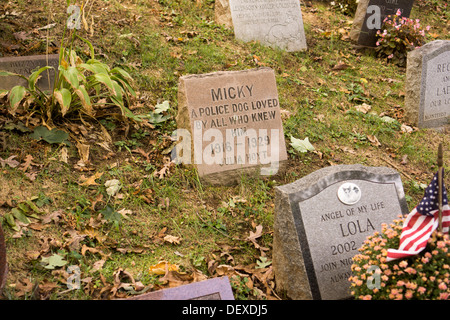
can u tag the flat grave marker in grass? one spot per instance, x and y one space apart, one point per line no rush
211 289
427 100
322 219
230 125
25 65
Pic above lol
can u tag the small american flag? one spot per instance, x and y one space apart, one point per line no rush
422 221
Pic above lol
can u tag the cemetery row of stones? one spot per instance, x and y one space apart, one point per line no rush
229 124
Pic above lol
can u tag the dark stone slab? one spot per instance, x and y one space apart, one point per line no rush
211 289
363 32
319 226
25 66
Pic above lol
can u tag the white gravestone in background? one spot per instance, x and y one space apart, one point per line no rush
275 23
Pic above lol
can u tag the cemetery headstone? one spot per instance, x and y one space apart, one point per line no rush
275 23
3 263
322 219
212 289
427 99
25 66
230 124
222 13
369 18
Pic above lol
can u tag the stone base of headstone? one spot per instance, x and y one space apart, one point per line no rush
223 14
312 245
416 89
25 65
358 21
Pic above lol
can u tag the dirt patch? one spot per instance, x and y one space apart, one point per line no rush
10 189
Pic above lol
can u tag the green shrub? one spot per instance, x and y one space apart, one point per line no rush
79 87
398 36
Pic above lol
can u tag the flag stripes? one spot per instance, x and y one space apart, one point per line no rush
421 222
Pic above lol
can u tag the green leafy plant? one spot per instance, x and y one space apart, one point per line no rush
424 276
79 86
23 213
111 215
159 115
50 136
398 36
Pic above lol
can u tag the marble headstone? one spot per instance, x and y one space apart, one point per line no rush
322 219
274 23
427 100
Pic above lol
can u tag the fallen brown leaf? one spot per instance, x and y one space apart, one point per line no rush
98 265
91 180
54 216
374 140
23 286
73 243
255 235
162 267
46 287
172 239
28 162
10 162
130 250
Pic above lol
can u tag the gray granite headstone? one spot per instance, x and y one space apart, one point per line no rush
275 23
427 100
211 289
25 65
369 18
322 219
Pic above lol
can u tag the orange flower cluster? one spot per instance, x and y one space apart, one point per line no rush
424 276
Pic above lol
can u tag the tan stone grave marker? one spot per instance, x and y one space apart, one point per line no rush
232 125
